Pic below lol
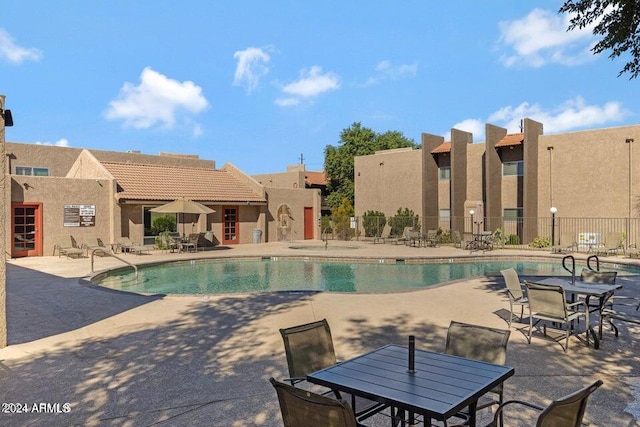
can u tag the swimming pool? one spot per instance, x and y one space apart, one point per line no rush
272 274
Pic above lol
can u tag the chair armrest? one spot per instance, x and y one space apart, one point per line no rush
510 402
624 301
574 304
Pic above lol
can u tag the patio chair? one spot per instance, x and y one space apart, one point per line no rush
432 238
622 308
458 241
191 243
126 245
384 234
309 348
515 292
567 243
479 343
549 303
66 245
302 408
568 411
612 244
91 243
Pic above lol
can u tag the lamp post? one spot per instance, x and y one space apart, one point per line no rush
472 213
629 141
553 211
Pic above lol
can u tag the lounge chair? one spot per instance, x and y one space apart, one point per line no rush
515 292
567 243
384 235
432 238
304 408
126 245
612 244
309 348
566 411
549 303
479 343
65 244
92 243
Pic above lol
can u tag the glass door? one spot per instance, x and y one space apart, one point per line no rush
230 225
26 230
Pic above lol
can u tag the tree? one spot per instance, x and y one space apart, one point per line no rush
338 161
616 21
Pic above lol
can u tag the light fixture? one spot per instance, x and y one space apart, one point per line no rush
553 211
6 115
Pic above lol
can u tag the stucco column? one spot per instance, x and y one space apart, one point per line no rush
3 238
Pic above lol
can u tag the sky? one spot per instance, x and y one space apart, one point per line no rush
267 84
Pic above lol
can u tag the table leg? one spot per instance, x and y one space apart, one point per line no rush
473 407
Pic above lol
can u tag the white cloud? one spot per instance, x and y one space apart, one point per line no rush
156 99
475 126
59 143
571 115
541 37
387 71
287 102
14 53
252 64
197 130
312 82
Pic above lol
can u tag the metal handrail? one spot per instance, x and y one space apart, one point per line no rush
573 267
104 251
597 262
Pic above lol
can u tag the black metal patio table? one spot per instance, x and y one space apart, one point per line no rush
441 386
602 291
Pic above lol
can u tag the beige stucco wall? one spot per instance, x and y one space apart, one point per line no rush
388 180
589 173
53 193
60 159
4 193
475 181
297 200
290 179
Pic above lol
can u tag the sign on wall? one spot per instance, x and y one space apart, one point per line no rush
79 215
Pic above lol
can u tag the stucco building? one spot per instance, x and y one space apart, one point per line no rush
511 181
62 190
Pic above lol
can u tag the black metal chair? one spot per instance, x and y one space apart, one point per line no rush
479 343
302 408
567 411
309 348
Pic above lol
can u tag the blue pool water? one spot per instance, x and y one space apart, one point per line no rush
219 276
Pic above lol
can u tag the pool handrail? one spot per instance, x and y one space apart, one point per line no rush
104 251
597 262
573 267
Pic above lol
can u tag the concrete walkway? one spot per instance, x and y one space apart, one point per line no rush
122 359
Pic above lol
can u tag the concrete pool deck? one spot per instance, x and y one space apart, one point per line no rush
125 359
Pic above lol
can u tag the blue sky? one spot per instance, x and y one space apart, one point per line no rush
258 83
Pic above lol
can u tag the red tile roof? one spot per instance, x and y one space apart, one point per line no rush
160 183
511 140
445 147
315 178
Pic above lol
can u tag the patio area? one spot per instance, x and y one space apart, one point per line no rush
124 359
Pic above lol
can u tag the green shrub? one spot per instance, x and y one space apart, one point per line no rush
163 223
445 235
341 218
404 218
373 222
540 242
512 239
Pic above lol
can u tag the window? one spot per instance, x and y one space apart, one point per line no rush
512 214
33 171
445 173
445 214
513 168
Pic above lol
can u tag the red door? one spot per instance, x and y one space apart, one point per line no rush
230 229
308 223
26 229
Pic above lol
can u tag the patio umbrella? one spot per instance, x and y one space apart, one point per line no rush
183 206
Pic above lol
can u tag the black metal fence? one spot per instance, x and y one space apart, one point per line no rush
516 231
